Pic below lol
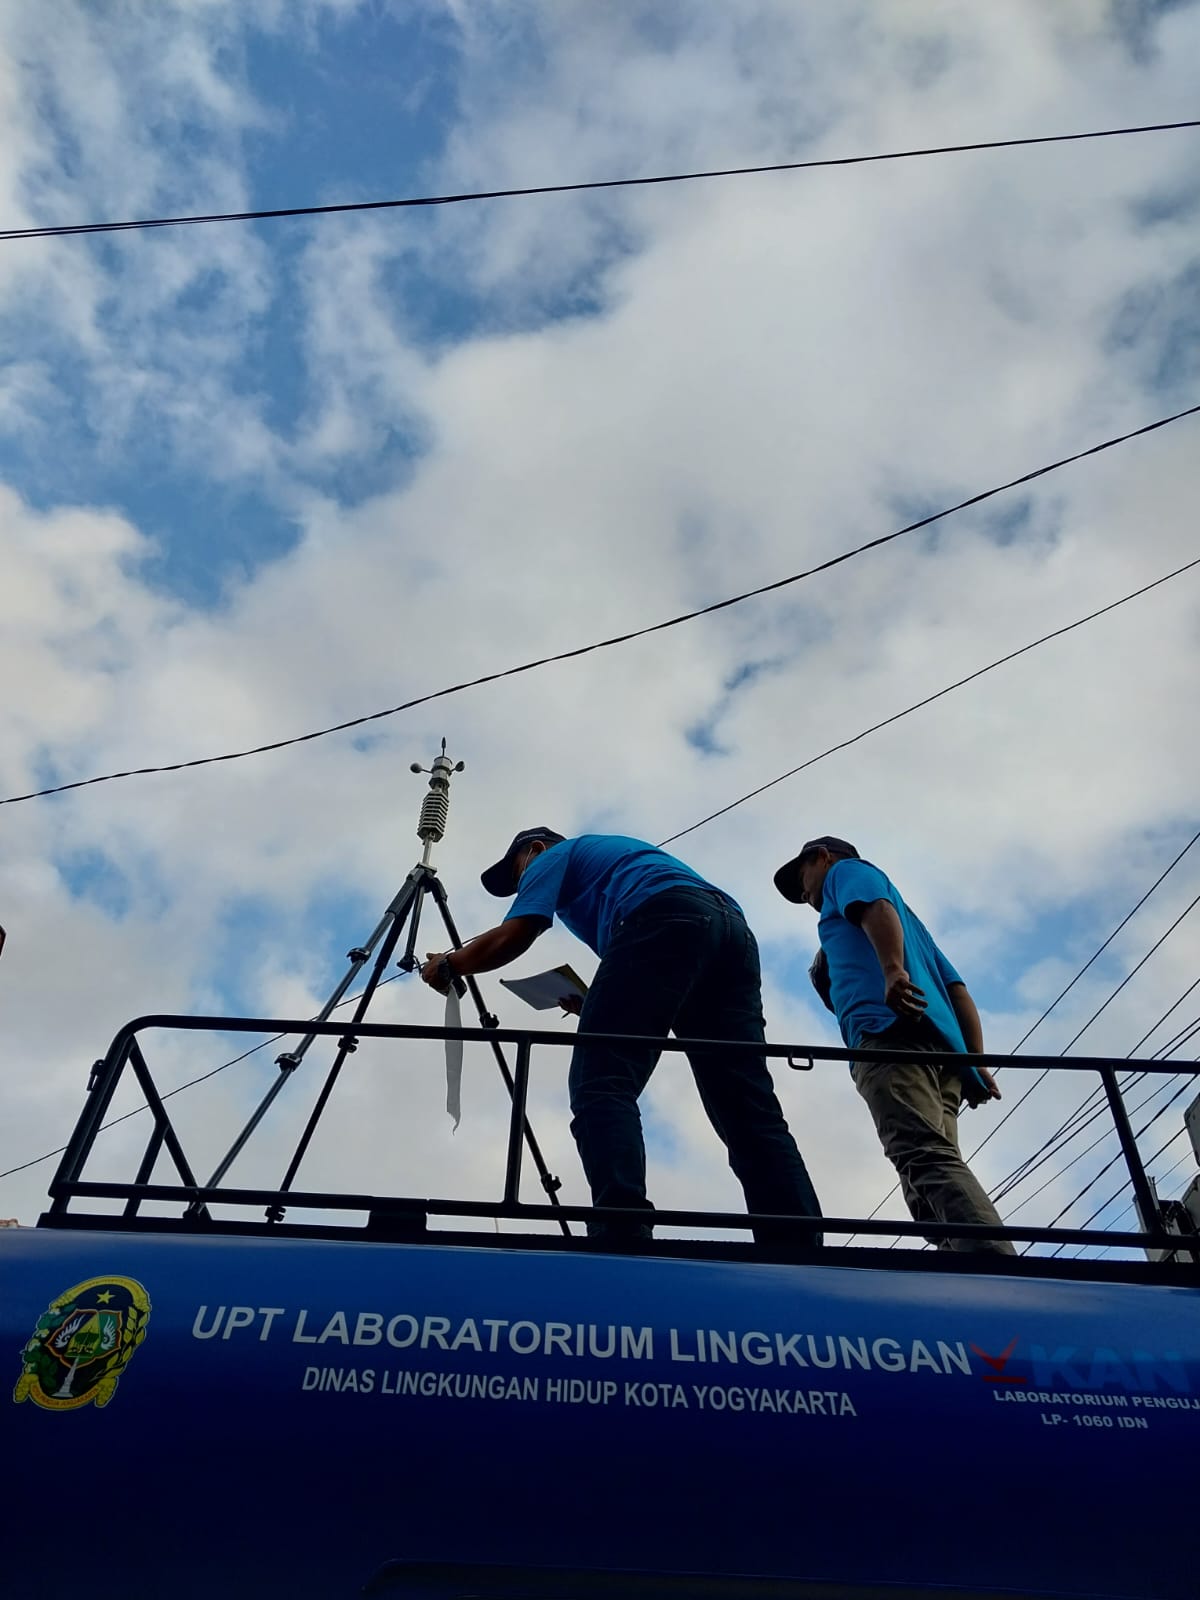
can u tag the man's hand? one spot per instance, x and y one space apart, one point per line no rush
989 1083
572 1004
905 999
430 973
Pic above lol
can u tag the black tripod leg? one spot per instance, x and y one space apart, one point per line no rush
348 1042
550 1183
291 1059
408 961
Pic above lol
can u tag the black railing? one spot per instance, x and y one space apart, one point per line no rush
404 1216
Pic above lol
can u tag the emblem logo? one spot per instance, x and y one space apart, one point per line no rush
82 1343
998 1363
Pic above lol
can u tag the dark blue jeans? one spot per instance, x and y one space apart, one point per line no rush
683 961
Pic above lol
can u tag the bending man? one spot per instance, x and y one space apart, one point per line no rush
892 988
675 954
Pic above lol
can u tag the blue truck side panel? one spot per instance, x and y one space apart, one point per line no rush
289 1415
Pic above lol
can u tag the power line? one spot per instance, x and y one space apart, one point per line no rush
190 1084
1032 1165
61 230
929 699
624 638
1016 1106
1100 1209
1092 1107
1082 1118
1084 1114
1174 1006
1133 972
1129 1209
1185 1036
1092 1182
1092 959
1107 1133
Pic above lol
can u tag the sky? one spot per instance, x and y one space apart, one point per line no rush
260 478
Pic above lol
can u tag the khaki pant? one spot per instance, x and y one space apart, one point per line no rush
915 1108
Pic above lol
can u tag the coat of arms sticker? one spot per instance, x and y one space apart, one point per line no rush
82 1343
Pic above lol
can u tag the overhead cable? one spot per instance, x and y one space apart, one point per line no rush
929 699
1174 1006
1100 1209
72 229
1093 1106
1020 1101
1092 1182
1092 959
190 1084
624 638
1107 1133
1129 1209
1133 973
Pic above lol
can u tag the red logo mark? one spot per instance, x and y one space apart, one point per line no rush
998 1364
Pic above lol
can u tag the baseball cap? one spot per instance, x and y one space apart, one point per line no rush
498 879
785 878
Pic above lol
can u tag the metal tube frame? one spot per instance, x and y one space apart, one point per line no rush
68 1183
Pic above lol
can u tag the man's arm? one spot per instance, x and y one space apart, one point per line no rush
881 924
487 951
972 1030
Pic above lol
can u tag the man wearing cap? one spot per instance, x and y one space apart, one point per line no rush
892 988
675 954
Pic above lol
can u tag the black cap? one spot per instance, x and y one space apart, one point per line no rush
498 879
785 878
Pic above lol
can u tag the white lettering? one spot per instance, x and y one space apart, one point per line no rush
922 1357
954 1355
335 1328
888 1355
434 1332
637 1344
558 1337
676 1353
759 1353
785 1350
368 1329
199 1331
239 1317
268 1314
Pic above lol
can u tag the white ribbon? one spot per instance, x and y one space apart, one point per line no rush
454 1059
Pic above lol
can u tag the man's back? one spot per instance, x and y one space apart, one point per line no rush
593 881
856 980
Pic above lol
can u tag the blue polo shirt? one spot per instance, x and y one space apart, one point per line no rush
855 976
590 882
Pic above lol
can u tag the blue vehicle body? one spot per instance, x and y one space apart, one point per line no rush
303 1418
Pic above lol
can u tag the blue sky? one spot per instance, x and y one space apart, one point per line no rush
258 479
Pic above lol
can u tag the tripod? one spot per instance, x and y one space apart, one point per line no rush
405 908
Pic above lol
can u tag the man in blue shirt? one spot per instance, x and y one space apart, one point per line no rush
892 988
675 954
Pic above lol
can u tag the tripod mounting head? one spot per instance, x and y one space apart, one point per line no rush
435 808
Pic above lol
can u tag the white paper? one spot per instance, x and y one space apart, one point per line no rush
545 990
454 1059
